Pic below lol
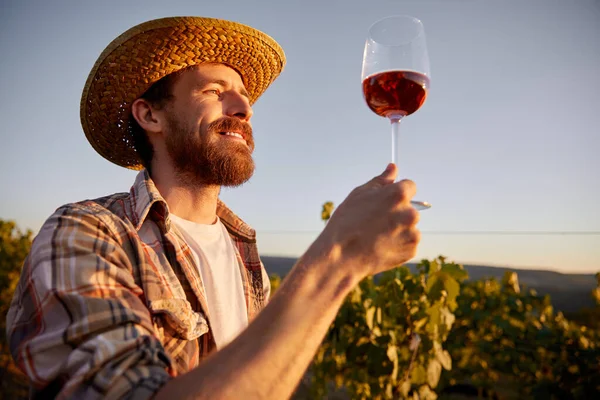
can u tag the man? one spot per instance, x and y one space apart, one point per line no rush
157 292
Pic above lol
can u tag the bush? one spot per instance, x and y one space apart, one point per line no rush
14 246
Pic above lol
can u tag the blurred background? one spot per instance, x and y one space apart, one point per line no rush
505 147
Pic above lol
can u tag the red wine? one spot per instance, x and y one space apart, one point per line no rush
395 93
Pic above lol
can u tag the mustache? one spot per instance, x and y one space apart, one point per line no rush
231 124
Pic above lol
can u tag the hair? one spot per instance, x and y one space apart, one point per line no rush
158 95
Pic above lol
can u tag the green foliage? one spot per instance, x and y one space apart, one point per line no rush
492 336
275 282
415 335
14 247
387 339
589 316
327 211
504 338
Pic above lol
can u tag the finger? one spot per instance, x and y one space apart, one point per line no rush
403 191
385 178
413 236
408 217
408 242
411 239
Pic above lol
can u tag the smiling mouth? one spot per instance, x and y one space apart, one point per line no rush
233 134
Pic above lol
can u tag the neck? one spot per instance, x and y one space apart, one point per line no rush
187 199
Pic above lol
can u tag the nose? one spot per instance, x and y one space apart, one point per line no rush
237 105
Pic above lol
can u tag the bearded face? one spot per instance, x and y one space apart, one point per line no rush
219 153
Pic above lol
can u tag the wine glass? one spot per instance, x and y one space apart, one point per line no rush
395 73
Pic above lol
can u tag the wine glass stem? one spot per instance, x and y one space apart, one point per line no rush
396 143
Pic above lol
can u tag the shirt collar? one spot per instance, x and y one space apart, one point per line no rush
147 202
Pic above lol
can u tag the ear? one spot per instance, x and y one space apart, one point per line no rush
148 117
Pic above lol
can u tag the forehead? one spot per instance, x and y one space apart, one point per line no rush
211 72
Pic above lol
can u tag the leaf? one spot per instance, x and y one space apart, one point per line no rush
433 267
444 358
392 336
355 295
392 353
401 273
456 271
452 304
423 265
369 317
420 323
452 287
389 390
418 375
339 380
434 371
431 280
425 393
596 295
405 354
511 280
362 340
405 388
447 318
327 210
434 313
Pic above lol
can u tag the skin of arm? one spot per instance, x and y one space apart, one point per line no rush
371 231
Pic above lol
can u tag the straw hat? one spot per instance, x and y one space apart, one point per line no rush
147 52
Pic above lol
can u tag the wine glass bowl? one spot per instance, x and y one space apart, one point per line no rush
395 94
395 73
396 43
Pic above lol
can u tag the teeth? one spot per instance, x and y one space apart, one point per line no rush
234 134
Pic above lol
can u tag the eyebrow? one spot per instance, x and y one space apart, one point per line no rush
221 83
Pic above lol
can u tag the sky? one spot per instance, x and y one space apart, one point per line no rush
506 144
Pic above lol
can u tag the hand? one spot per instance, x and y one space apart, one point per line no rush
374 228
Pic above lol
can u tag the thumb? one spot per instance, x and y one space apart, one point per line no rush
386 177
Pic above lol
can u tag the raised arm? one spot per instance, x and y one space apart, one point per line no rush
372 230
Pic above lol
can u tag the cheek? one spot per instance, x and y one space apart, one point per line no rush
205 115
202 127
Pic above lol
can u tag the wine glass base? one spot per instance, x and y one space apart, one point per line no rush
420 205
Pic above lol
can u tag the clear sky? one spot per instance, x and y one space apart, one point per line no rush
508 139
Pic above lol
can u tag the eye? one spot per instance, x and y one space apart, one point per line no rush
213 91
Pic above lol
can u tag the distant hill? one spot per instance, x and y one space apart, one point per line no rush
569 292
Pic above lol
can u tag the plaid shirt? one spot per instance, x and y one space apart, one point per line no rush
110 303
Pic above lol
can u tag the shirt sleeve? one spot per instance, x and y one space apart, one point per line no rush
77 325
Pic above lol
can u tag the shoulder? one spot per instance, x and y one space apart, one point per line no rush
94 225
110 212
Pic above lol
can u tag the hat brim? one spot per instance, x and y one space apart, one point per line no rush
144 54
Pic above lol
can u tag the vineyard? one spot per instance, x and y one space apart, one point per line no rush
432 335
424 334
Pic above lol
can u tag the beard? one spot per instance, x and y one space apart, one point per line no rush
199 160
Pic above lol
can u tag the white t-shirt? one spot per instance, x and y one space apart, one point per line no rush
215 255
